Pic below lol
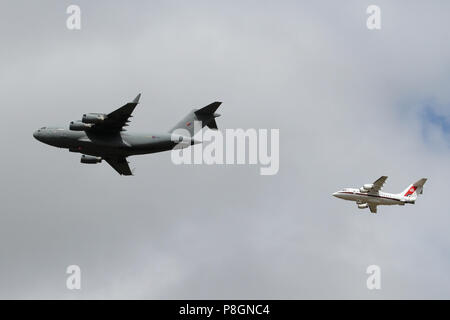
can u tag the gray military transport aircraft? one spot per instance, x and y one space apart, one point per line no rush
99 136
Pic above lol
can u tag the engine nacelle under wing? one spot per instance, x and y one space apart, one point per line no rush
79 126
90 159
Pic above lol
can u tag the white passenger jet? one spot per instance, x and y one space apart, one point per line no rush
370 195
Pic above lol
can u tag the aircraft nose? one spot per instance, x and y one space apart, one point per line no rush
37 134
335 194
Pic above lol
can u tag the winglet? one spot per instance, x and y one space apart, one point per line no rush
136 100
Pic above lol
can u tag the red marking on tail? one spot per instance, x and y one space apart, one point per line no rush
410 191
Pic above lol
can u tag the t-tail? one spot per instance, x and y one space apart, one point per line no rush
414 189
205 115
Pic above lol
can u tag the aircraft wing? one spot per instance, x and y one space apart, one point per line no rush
120 165
377 185
118 119
373 207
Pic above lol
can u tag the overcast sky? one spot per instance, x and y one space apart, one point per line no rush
351 105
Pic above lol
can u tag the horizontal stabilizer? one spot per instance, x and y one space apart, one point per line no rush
209 109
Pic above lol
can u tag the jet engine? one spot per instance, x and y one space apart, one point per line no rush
363 206
90 159
93 117
366 188
79 126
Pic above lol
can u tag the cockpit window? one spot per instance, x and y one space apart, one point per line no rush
43 128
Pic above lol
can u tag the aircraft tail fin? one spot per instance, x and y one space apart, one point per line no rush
206 116
414 189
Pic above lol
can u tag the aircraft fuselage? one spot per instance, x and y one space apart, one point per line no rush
101 145
378 198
